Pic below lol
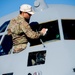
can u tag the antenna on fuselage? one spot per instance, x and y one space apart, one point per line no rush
42 43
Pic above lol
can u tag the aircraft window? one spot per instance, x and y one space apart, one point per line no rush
36 58
2 29
52 33
8 74
68 29
0 37
3 26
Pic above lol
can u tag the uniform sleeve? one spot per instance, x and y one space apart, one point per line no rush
9 29
29 32
11 25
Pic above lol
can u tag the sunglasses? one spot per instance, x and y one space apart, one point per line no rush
28 13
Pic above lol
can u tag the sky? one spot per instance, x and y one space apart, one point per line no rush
10 6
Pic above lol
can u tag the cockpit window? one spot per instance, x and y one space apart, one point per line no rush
8 74
4 26
52 33
0 37
68 29
2 30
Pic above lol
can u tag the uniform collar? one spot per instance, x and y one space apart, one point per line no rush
21 16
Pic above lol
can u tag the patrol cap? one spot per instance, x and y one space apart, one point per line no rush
26 8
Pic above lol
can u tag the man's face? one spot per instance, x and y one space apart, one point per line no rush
27 15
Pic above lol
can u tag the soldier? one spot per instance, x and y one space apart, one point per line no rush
20 29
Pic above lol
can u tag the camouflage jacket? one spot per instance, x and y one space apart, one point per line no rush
19 29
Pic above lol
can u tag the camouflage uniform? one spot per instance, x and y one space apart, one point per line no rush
19 29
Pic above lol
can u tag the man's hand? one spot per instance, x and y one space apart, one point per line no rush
43 31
